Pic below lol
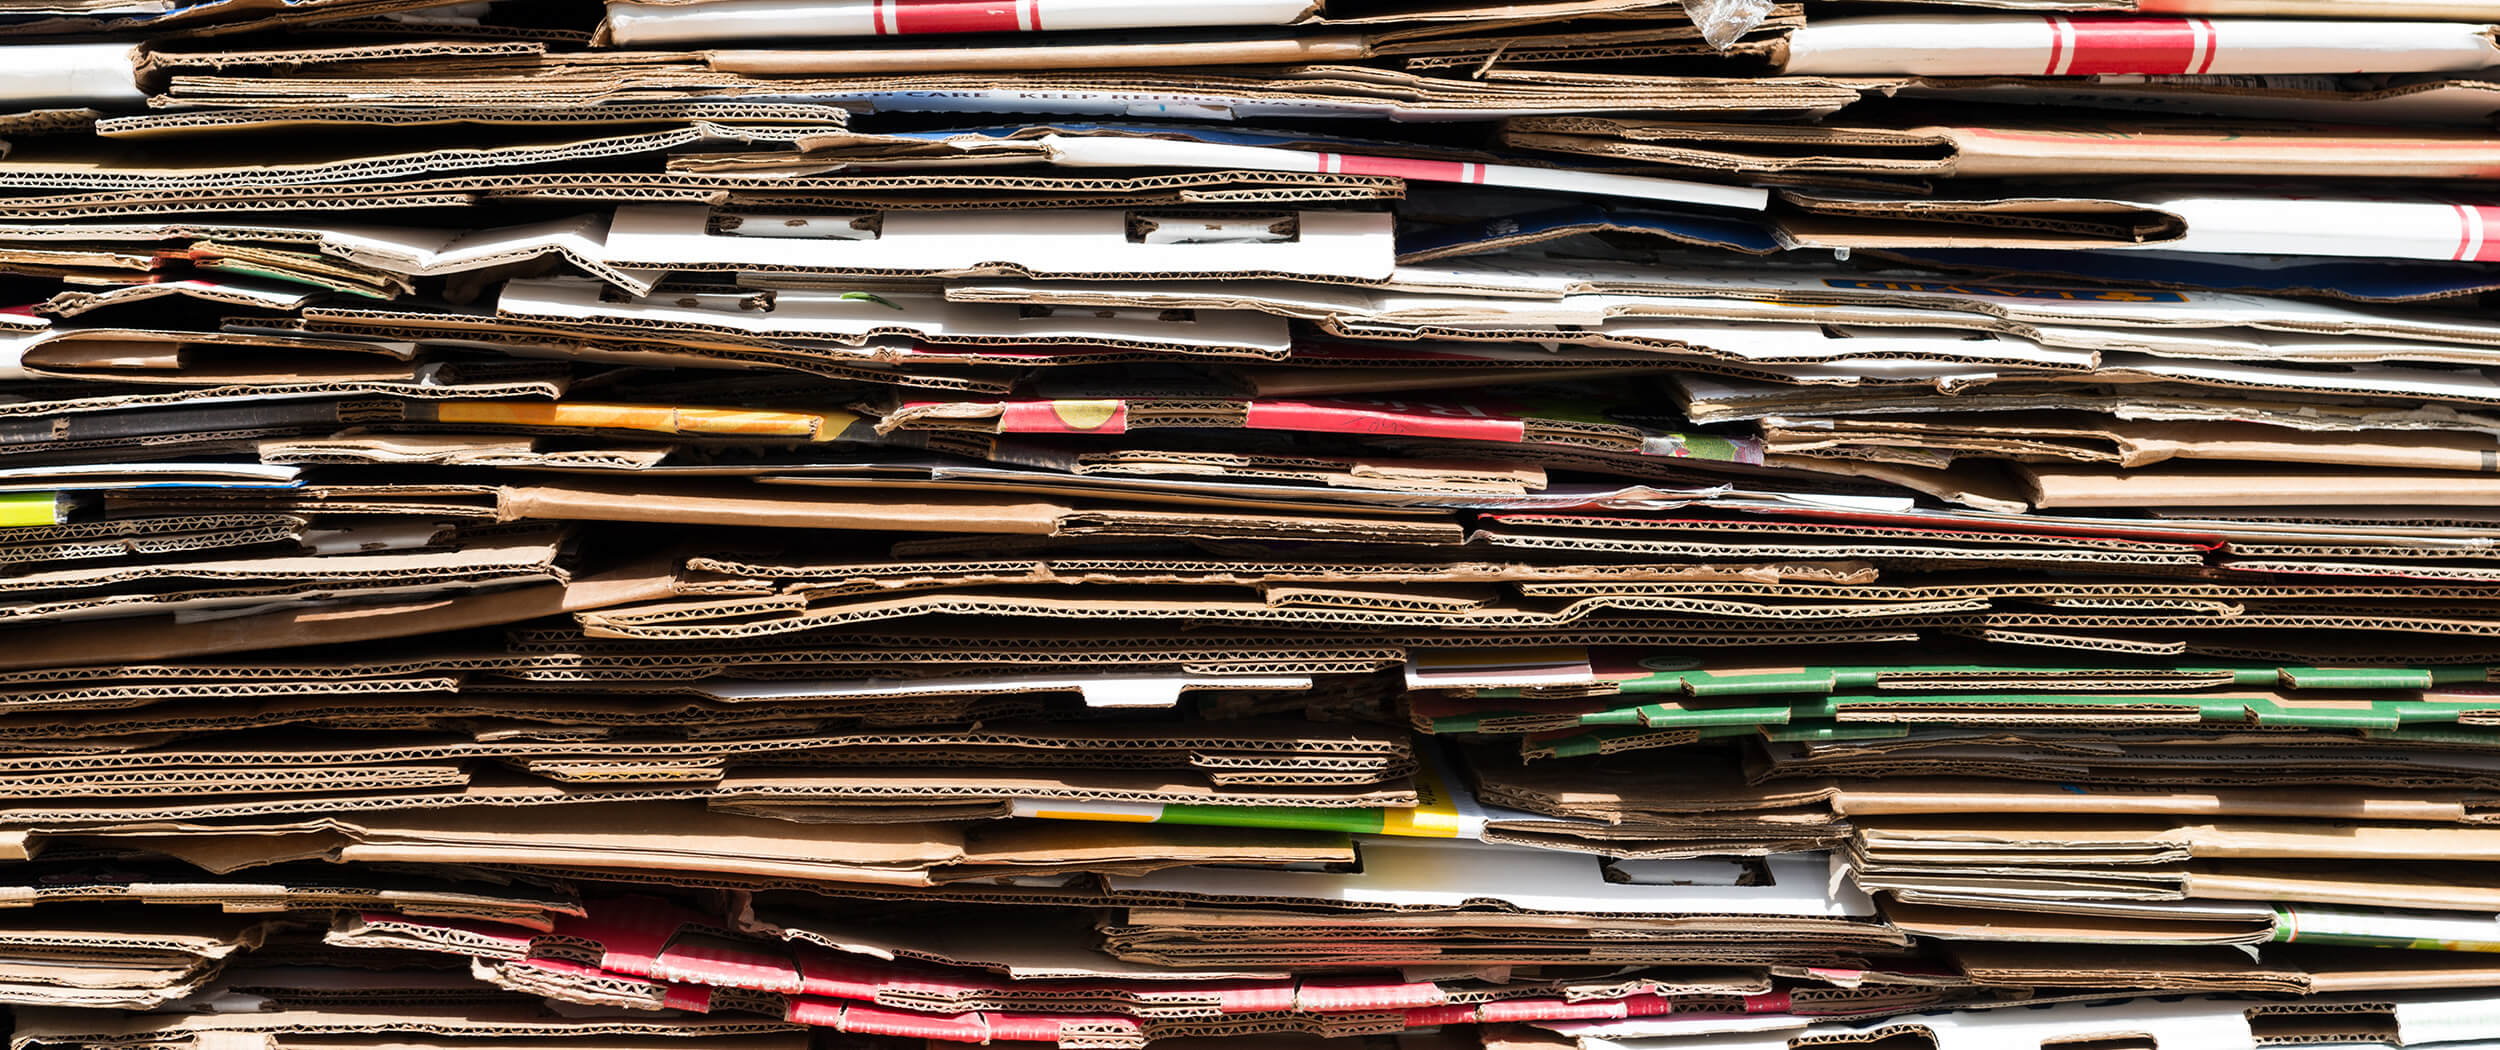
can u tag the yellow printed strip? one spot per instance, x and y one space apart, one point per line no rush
1435 815
26 509
663 419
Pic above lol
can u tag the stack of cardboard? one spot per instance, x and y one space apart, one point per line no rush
1330 524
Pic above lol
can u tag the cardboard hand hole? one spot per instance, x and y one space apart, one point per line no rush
867 226
1212 228
2102 1042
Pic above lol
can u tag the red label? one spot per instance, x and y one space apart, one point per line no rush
1402 167
1436 1016
2082 46
957 16
1399 418
1769 1003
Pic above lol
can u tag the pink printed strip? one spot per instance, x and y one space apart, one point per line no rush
1063 417
1402 167
897 17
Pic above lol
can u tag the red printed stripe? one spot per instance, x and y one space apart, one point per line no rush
1403 167
956 16
2083 46
2475 223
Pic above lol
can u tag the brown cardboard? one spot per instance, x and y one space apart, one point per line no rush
43 1027
2218 969
2112 148
143 536
764 117
664 836
1857 221
2155 840
526 555
932 511
107 167
1971 795
790 613
2126 444
1285 89
279 887
935 189
2457 102
81 643
2056 486
948 787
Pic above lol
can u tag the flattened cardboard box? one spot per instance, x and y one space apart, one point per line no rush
108 167
51 1027
2142 148
1057 243
1124 146
75 644
856 319
2360 101
2198 219
1286 91
941 190
406 251
2218 1023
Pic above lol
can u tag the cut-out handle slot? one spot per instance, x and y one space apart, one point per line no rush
856 226
1636 872
1107 313
725 301
1212 228
2102 1042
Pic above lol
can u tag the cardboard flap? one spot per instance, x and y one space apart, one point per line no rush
1070 242
102 76
620 501
1454 874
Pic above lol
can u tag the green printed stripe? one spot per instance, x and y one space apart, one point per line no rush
1304 818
